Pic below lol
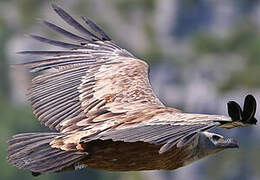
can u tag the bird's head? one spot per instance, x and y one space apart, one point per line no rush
211 143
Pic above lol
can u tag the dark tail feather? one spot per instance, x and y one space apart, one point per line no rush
32 151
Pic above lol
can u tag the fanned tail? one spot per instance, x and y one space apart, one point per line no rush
32 151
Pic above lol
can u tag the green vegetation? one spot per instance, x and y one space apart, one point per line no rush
244 42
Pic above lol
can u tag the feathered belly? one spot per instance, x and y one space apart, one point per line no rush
121 156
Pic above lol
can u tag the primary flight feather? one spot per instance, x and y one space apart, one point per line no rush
99 100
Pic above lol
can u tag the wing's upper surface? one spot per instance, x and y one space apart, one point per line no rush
94 80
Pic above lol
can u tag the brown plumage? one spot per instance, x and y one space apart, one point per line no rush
99 100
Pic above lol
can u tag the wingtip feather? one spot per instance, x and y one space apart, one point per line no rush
55 6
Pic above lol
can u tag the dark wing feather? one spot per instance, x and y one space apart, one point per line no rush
55 43
239 117
64 32
234 111
158 134
97 29
50 53
249 110
66 17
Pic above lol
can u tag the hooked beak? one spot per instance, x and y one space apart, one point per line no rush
229 143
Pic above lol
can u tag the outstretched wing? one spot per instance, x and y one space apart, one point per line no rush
169 128
166 129
92 81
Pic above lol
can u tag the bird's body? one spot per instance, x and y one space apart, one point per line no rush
137 156
99 101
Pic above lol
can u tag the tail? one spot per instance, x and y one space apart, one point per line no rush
32 151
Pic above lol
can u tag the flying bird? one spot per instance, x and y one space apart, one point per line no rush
98 99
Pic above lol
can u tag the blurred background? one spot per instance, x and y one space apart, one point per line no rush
201 53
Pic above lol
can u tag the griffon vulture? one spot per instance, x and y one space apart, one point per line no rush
100 103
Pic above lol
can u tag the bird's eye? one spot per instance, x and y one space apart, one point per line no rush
215 137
